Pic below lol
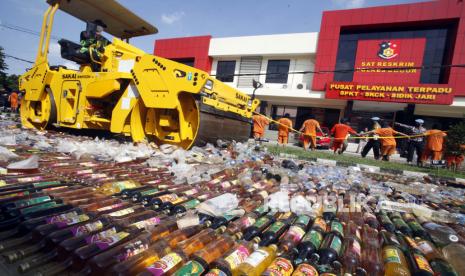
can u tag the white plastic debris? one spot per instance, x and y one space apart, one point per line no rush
300 205
9 140
6 154
278 201
31 163
219 205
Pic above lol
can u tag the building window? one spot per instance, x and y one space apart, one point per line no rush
185 61
277 71
225 70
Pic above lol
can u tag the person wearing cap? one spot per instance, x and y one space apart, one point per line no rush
417 142
96 41
373 142
340 133
284 124
309 128
388 142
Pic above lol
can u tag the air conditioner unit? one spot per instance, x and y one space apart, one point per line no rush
300 85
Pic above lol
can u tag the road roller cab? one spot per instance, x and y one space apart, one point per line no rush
125 90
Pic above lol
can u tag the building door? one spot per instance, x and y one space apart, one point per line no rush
331 117
302 115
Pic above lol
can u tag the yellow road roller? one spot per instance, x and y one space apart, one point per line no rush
124 90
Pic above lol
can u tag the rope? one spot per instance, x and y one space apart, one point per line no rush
358 137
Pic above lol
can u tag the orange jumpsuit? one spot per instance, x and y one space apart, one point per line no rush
388 144
340 131
309 129
283 130
13 99
434 141
259 124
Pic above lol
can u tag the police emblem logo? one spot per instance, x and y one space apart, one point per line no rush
387 50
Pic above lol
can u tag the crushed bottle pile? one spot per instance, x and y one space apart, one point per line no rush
82 206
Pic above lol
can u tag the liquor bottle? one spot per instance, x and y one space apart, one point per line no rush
337 228
111 188
200 240
229 262
246 221
394 261
370 219
415 226
370 236
281 265
371 263
101 203
441 235
352 255
275 230
386 222
308 246
319 224
400 224
295 233
352 231
305 269
329 211
248 207
54 239
258 261
144 195
125 212
434 257
418 263
38 235
453 253
260 224
201 260
330 249
136 192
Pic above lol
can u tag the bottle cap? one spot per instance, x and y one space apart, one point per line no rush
256 239
274 247
238 235
221 229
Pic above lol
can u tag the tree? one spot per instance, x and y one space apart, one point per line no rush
3 65
455 140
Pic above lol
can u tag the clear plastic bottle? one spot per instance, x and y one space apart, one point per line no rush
454 253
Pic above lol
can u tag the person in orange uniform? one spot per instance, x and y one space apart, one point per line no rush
434 142
13 99
388 142
309 128
340 133
259 124
283 129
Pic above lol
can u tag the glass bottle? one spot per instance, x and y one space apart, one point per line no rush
260 224
454 253
281 265
275 230
386 222
295 233
258 261
394 261
308 246
371 263
305 269
245 221
352 255
330 249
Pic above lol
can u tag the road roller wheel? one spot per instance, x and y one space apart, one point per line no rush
167 126
38 114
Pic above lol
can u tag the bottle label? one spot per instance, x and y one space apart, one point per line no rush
357 248
276 227
425 247
131 249
122 212
84 171
261 222
47 205
203 197
163 265
229 217
88 164
422 263
168 198
14 195
260 210
122 185
149 192
29 179
237 257
216 272
191 192
337 227
280 267
101 235
247 221
411 243
105 242
71 221
303 219
391 256
179 200
110 207
305 270
147 224
61 217
296 233
191 204
192 268
320 223
28 202
314 237
257 257
336 244
86 228
46 183
285 215
225 184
